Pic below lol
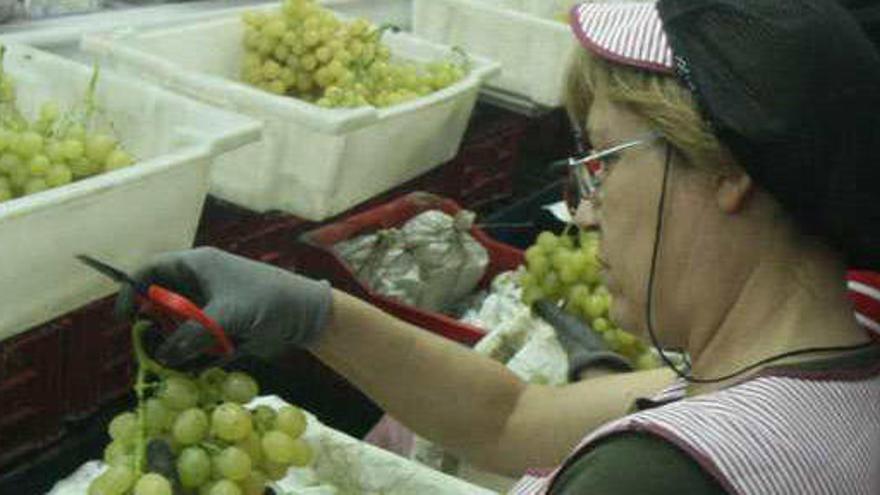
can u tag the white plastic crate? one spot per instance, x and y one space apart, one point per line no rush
312 162
532 47
122 217
351 465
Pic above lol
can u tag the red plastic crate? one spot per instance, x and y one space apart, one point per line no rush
30 384
98 362
317 258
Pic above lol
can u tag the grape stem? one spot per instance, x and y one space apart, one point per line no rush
90 94
143 362
145 367
211 447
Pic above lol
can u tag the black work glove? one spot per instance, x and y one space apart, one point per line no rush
265 310
583 345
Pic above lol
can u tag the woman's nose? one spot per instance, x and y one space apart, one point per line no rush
586 216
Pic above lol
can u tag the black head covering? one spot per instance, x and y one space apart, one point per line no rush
792 87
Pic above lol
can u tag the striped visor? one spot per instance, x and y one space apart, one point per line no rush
628 33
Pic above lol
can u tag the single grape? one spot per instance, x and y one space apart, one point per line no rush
34 186
255 484
590 272
116 480
29 143
99 147
231 422
224 487
626 339
302 453
55 151
274 29
601 325
233 463
5 192
72 149
9 163
646 361
157 417
190 427
532 294
278 447
152 484
264 418
5 139
594 306
291 420
49 112
568 274
118 159
19 177
547 241
81 167
274 471
179 393
210 382
193 467
550 285
539 266
123 428
39 165
58 175
117 452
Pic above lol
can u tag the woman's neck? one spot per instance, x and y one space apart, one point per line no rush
781 307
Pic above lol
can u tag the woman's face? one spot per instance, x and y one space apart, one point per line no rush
626 213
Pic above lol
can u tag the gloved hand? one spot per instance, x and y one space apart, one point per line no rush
584 347
264 310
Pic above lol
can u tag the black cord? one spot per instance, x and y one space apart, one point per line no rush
649 308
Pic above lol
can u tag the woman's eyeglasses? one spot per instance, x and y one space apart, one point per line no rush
587 171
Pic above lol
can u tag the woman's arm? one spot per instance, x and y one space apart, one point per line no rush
465 402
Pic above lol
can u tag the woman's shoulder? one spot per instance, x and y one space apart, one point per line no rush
635 462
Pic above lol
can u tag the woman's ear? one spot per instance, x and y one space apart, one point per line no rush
733 192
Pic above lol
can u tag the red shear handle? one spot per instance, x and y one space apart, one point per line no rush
184 309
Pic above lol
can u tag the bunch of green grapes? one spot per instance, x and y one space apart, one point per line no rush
216 446
52 150
307 52
566 269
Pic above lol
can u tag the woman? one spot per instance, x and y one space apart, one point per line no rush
729 206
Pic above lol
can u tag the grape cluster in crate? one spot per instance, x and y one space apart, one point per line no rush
306 51
53 149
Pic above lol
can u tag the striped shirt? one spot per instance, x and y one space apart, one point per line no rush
785 431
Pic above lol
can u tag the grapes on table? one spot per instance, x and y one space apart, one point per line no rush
214 444
53 149
565 269
305 51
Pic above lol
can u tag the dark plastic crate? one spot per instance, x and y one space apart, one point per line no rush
317 258
99 366
482 173
30 384
266 237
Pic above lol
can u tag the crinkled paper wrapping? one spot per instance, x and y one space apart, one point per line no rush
431 262
452 262
383 263
524 342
